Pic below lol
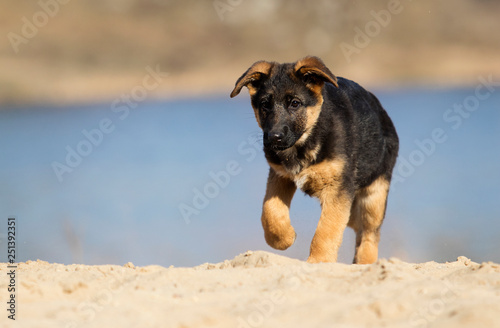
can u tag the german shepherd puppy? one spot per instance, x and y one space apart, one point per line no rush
331 138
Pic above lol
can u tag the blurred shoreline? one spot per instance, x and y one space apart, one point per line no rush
105 88
64 52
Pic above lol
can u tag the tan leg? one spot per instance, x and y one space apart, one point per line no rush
367 214
278 231
335 210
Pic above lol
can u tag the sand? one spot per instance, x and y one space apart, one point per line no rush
256 289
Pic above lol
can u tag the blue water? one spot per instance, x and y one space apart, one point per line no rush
120 199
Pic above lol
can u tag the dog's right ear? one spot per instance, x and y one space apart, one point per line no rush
256 73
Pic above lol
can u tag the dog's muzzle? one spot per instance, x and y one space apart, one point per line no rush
278 140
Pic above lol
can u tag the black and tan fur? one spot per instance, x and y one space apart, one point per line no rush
332 139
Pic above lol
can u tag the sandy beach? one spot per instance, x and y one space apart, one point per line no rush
203 49
256 289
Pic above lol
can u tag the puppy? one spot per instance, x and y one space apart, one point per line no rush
332 139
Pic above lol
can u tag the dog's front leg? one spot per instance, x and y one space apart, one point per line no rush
335 211
278 231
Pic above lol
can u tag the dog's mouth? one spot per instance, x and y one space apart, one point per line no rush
280 145
279 141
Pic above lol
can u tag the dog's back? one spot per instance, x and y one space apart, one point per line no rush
363 131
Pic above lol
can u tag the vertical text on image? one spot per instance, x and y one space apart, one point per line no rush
11 268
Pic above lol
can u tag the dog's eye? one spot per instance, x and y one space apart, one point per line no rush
265 105
294 104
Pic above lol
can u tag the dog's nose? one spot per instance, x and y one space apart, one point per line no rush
276 137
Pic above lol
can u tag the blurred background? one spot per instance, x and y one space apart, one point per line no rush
118 140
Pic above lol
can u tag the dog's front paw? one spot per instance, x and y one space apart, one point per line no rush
321 259
321 255
281 241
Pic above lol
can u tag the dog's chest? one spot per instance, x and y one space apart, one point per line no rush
294 160
292 165
302 168
293 171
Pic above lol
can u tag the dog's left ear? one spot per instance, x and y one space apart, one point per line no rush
313 70
256 73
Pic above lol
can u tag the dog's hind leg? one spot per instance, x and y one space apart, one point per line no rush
367 214
278 231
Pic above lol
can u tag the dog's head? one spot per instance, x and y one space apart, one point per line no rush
286 98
